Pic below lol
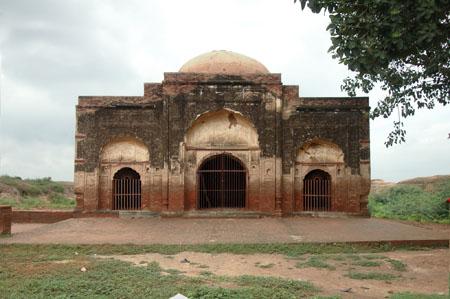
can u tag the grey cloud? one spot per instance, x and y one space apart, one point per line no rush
53 50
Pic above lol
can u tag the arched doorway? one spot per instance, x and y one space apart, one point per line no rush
222 183
126 190
317 191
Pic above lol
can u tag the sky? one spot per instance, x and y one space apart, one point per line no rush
53 51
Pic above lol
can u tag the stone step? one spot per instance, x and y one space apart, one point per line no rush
222 214
137 214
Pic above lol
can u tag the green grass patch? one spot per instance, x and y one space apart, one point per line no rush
206 273
55 201
353 257
47 277
397 265
315 262
366 263
371 275
45 252
338 258
173 271
374 257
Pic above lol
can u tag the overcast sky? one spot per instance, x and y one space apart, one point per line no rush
52 51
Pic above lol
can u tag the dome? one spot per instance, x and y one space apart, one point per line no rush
223 62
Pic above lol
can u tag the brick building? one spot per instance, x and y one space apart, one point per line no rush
222 134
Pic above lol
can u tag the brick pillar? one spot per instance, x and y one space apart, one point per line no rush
5 219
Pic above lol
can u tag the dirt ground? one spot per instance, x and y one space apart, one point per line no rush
426 271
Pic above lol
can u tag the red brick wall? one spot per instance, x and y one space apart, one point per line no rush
22 216
5 219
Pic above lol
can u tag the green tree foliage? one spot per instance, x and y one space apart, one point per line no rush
404 46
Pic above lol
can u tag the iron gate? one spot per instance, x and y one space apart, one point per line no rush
222 182
126 190
317 191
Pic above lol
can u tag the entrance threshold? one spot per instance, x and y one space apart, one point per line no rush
137 214
223 213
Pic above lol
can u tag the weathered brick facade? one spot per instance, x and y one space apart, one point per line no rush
248 113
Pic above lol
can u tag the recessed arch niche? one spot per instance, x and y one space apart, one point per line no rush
320 152
121 153
124 150
319 156
222 129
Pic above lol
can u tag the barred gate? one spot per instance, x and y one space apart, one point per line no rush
317 191
126 190
222 183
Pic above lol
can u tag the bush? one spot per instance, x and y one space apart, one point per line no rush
33 187
409 202
60 201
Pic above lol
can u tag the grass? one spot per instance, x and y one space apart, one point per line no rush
366 263
24 276
56 202
173 271
374 257
315 262
47 251
206 273
397 265
36 271
371 275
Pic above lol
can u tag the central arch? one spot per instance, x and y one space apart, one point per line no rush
222 183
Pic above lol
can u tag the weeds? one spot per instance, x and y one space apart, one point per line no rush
366 263
397 265
315 262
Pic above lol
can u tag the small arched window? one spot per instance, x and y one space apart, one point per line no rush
317 191
126 190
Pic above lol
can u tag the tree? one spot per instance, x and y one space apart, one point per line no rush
401 45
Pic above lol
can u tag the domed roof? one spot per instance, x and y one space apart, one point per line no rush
223 62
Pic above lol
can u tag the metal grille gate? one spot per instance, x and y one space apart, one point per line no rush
317 191
222 183
126 190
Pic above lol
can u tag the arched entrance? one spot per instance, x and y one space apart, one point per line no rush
126 190
317 191
222 183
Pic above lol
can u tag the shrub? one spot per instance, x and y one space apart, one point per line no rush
33 187
60 201
409 202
